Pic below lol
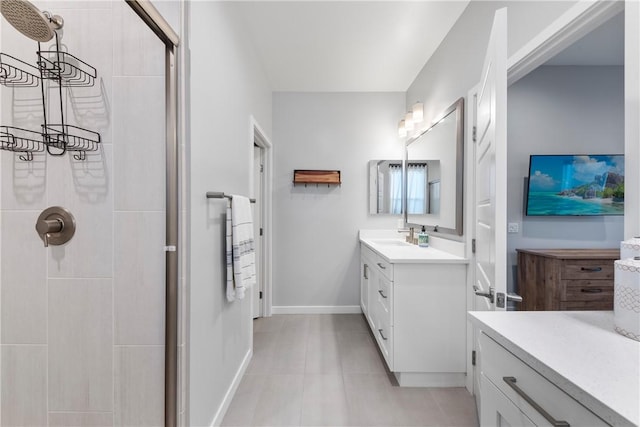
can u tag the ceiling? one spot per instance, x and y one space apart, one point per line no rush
342 46
602 46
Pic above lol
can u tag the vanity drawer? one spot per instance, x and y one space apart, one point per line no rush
378 262
507 372
587 270
384 296
384 336
385 267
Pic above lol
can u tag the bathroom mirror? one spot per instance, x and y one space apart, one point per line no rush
386 189
444 141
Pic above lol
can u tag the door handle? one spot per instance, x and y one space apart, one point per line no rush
381 294
489 295
366 267
382 266
514 297
383 337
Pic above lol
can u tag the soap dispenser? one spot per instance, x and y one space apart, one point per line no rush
423 238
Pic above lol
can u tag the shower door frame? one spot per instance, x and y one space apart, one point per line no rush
150 16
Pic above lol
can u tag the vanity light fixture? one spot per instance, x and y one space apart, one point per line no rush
408 122
402 131
417 112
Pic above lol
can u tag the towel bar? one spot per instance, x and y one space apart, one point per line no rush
220 195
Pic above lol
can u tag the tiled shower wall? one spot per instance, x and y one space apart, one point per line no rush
82 324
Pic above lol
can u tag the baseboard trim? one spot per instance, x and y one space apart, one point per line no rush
231 391
316 309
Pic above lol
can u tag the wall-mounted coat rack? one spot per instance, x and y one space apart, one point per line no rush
221 195
306 176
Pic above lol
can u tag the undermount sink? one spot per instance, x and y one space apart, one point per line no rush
389 242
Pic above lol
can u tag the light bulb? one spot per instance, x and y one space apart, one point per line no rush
418 112
408 122
402 132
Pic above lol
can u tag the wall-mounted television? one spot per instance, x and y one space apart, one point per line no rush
575 185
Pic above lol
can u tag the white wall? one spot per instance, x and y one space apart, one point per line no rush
455 67
315 243
562 110
227 85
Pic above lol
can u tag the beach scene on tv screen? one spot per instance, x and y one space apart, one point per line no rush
576 185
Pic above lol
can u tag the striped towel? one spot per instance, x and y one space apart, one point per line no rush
241 268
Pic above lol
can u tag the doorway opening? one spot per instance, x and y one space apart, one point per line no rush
261 178
572 27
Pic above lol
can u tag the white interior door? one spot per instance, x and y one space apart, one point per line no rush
257 226
490 170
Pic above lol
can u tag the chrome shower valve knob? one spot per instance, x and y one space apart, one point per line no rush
56 226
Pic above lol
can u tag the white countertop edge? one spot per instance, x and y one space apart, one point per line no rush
416 257
607 413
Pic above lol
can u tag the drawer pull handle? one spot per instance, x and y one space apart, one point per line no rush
380 332
382 266
591 269
591 291
511 382
382 295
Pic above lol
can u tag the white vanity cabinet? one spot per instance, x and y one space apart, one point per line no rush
417 313
555 368
512 393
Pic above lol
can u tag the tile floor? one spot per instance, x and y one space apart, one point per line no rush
325 370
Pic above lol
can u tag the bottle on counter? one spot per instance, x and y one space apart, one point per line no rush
423 238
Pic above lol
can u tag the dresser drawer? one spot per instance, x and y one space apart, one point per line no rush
587 290
603 304
587 270
507 373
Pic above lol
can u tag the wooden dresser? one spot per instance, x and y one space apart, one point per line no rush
566 279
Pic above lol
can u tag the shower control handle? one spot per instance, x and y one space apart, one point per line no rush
55 226
45 227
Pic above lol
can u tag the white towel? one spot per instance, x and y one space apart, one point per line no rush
231 293
243 271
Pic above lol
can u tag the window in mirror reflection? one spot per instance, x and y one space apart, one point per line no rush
386 178
416 188
395 188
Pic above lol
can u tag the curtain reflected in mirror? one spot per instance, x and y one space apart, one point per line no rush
386 186
416 188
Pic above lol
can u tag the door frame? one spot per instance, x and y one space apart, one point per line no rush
258 137
576 22
173 250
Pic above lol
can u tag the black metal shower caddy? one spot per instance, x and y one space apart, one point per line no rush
62 70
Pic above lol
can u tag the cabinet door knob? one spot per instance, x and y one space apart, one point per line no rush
511 382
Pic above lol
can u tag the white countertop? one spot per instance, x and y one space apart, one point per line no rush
395 252
579 352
